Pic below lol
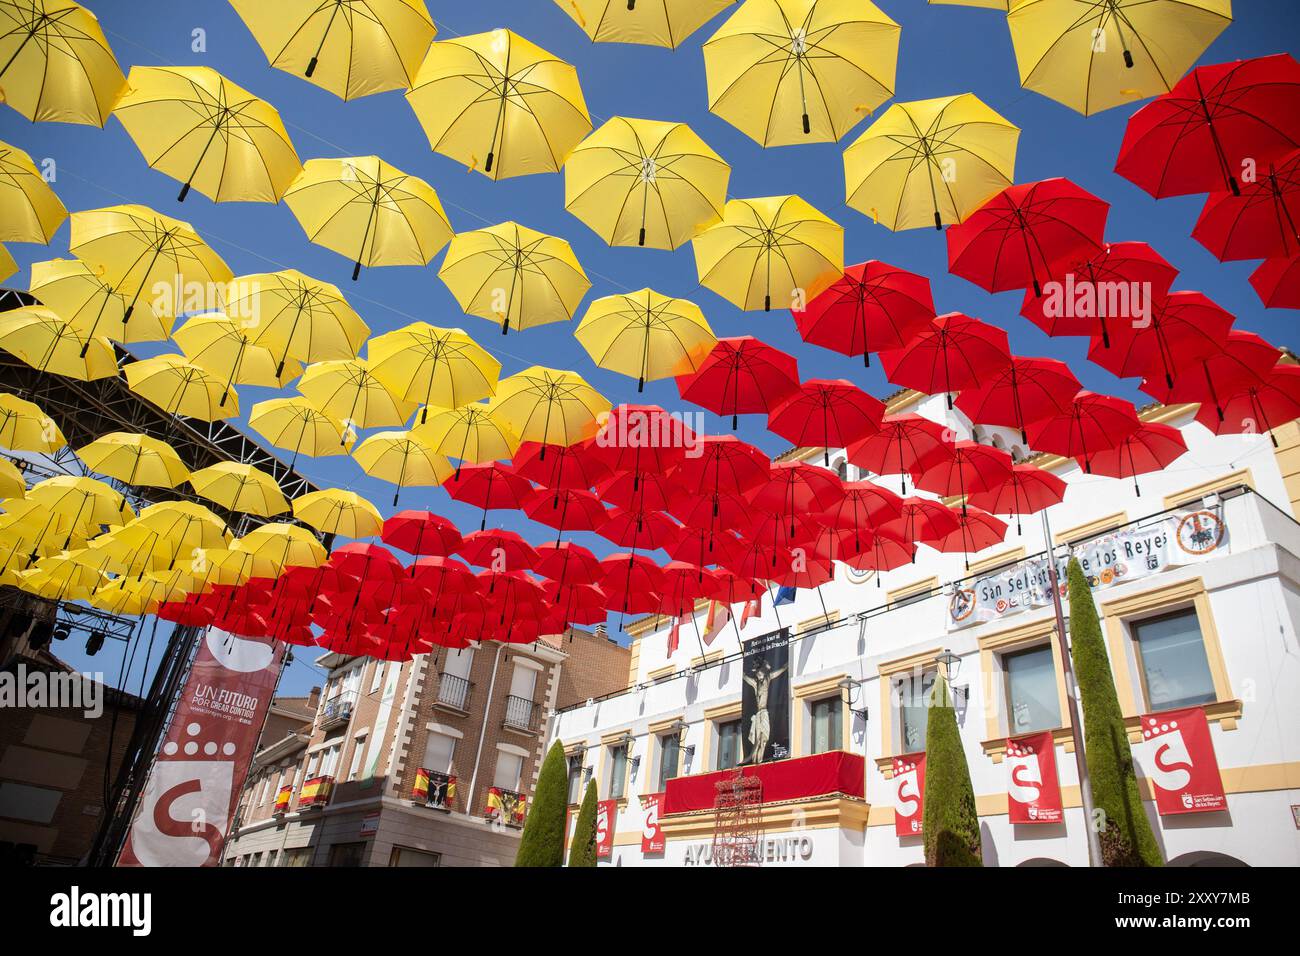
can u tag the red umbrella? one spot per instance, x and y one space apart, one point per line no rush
1261 223
498 549
1152 447
573 466
953 352
830 413
683 585
780 531
421 532
1110 284
808 573
1277 282
491 485
440 577
640 490
1183 329
794 488
1246 359
759 561
714 512
1258 408
1196 137
1024 233
191 611
723 464
567 563
1027 491
976 530
640 530
731 588
1092 424
874 551
741 375
566 510
578 603
864 506
873 307
905 444
968 467
633 583
697 545
1026 390
641 438
921 519
359 561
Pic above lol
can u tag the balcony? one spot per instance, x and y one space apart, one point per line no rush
338 710
453 693
522 714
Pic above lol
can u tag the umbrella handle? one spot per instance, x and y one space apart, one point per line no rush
938 220
311 67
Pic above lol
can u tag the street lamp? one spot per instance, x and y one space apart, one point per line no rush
848 692
950 663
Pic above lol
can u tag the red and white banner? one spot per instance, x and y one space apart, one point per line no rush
192 792
909 793
652 838
1180 760
1033 790
606 814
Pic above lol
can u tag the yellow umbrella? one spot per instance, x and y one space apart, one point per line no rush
335 511
983 4
930 161
240 488
350 392
132 550
196 126
136 459
350 47
645 334
474 432
551 406
7 265
1093 55
48 344
498 98
296 317
639 182
216 344
12 484
86 502
776 245
651 22
274 547
92 307
403 459
225 566
29 210
369 211
60 577
57 65
514 275
179 387
30 528
800 71
123 596
435 366
138 251
297 425
183 532
24 426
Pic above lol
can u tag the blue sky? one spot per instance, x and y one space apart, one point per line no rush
944 50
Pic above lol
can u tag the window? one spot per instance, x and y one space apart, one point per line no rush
358 752
439 750
1032 700
914 692
729 752
617 771
1171 660
574 762
376 677
296 857
827 724
510 770
670 750
329 759
405 856
347 854
523 680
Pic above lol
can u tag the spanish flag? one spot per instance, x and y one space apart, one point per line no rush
420 791
314 791
282 799
451 791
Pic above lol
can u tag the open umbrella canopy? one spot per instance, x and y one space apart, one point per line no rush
499 104
47 343
800 71
12 484
403 459
29 209
368 211
179 387
966 467
57 64
645 334
352 49
1277 282
638 182
1092 424
905 445
773 246
1244 360
1262 222
223 347
499 550
135 459
349 392
201 129
297 425
871 308
91 307
568 563
724 464
471 433
652 22
1027 490
1181 330
556 466
566 510
827 413
1259 407
1151 448
7 265
490 485
422 363
640 529
421 533
952 353
282 545
741 375
635 440
864 506
239 487
551 406
1094 56
336 511
24 426
976 530
930 162
295 317
1023 391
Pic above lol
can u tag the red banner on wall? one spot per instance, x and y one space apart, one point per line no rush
1181 762
192 792
1033 790
606 814
652 837
909 793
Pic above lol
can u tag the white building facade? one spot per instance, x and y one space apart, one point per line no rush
1212 625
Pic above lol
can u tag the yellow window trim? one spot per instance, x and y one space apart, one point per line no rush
663 726
1287 454
1241 476
829 617
997 747
607 741
1021 636
728 711
1090 528
1010 556
708 657
822 687
665 671
633 661
806 695
887 670
911 590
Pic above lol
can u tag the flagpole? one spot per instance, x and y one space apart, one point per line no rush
1072 702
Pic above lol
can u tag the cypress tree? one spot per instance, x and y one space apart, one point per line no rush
950 823
542 843
1126 836
583 850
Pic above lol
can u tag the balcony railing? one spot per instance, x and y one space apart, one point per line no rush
338 709
522 714
454 692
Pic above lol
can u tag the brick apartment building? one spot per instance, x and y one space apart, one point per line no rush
424 763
